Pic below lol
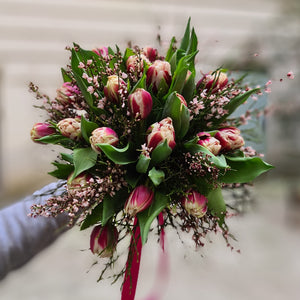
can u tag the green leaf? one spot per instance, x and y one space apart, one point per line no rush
67 157
55 139
128 52
121 156
161 152
93 218
143 163
189 88
147 216
156 176
84 159
186 38
63 170
141 84
86 128
171 49
216 205
65 75
192 45
244 169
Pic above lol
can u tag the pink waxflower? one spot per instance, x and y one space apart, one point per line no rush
101 51
209 142
159 132
71 128
103 135
139 199
40 130
195 203
159 71
103 240
140 103
79 183
150 53
67 92
230 138
113 88
212 82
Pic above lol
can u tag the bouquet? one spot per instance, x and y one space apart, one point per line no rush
150 144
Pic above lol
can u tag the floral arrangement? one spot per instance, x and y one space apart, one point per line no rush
147 139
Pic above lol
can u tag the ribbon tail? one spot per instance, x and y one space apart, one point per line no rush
132 264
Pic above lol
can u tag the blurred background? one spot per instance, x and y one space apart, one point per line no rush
261 36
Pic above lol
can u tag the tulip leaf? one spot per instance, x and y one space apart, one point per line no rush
156 176
121 156
63 170
186 37
53 139
66 77
171 49
189 88
216 205
84 159
94 217
86 128
244 169
67 157
147 216
143 163
161 152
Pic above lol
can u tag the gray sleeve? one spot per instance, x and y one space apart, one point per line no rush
21 237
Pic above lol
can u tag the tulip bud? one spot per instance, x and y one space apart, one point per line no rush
103 135
70 128
139 199
159 76
78 183
102 51
209 142
159 132
140 103
195 204
135 63
67 93
150 53
114 87
40 130
103 240
230 138
213 82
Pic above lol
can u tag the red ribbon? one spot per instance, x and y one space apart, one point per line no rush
133 264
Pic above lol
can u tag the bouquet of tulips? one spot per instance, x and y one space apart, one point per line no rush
150 144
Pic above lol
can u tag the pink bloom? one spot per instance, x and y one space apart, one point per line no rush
139 199
140 103
78 183
230 138
113 85
159 132
103 240
135 63
290 75
67 93
195 204
182 100
150 53
158 71
209 142
70 127
213 82
102 51
103 135
40 130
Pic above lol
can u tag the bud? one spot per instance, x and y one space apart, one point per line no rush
181 98
159 132
102 51
40 130
213 82
159 76
78 183
135 63
103 135
150 53
103 240
209 142
114 87
70 128
67 93
139 199
230 138
195 204
140 103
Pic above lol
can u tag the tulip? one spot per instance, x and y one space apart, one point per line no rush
159 132
103 240
134 63
40 130
230 138
102 51
113 88
78 183
139 199
213 82
209 142
103 135
150 53
159 76
67 93
140 103
195 204
71 128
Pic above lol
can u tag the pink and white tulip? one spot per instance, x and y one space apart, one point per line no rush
213 83
101 51
67 92
71 128
139 199
78 183
40 130
140 103
150 53
230 138
209 142
103 135
115 86
195 203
